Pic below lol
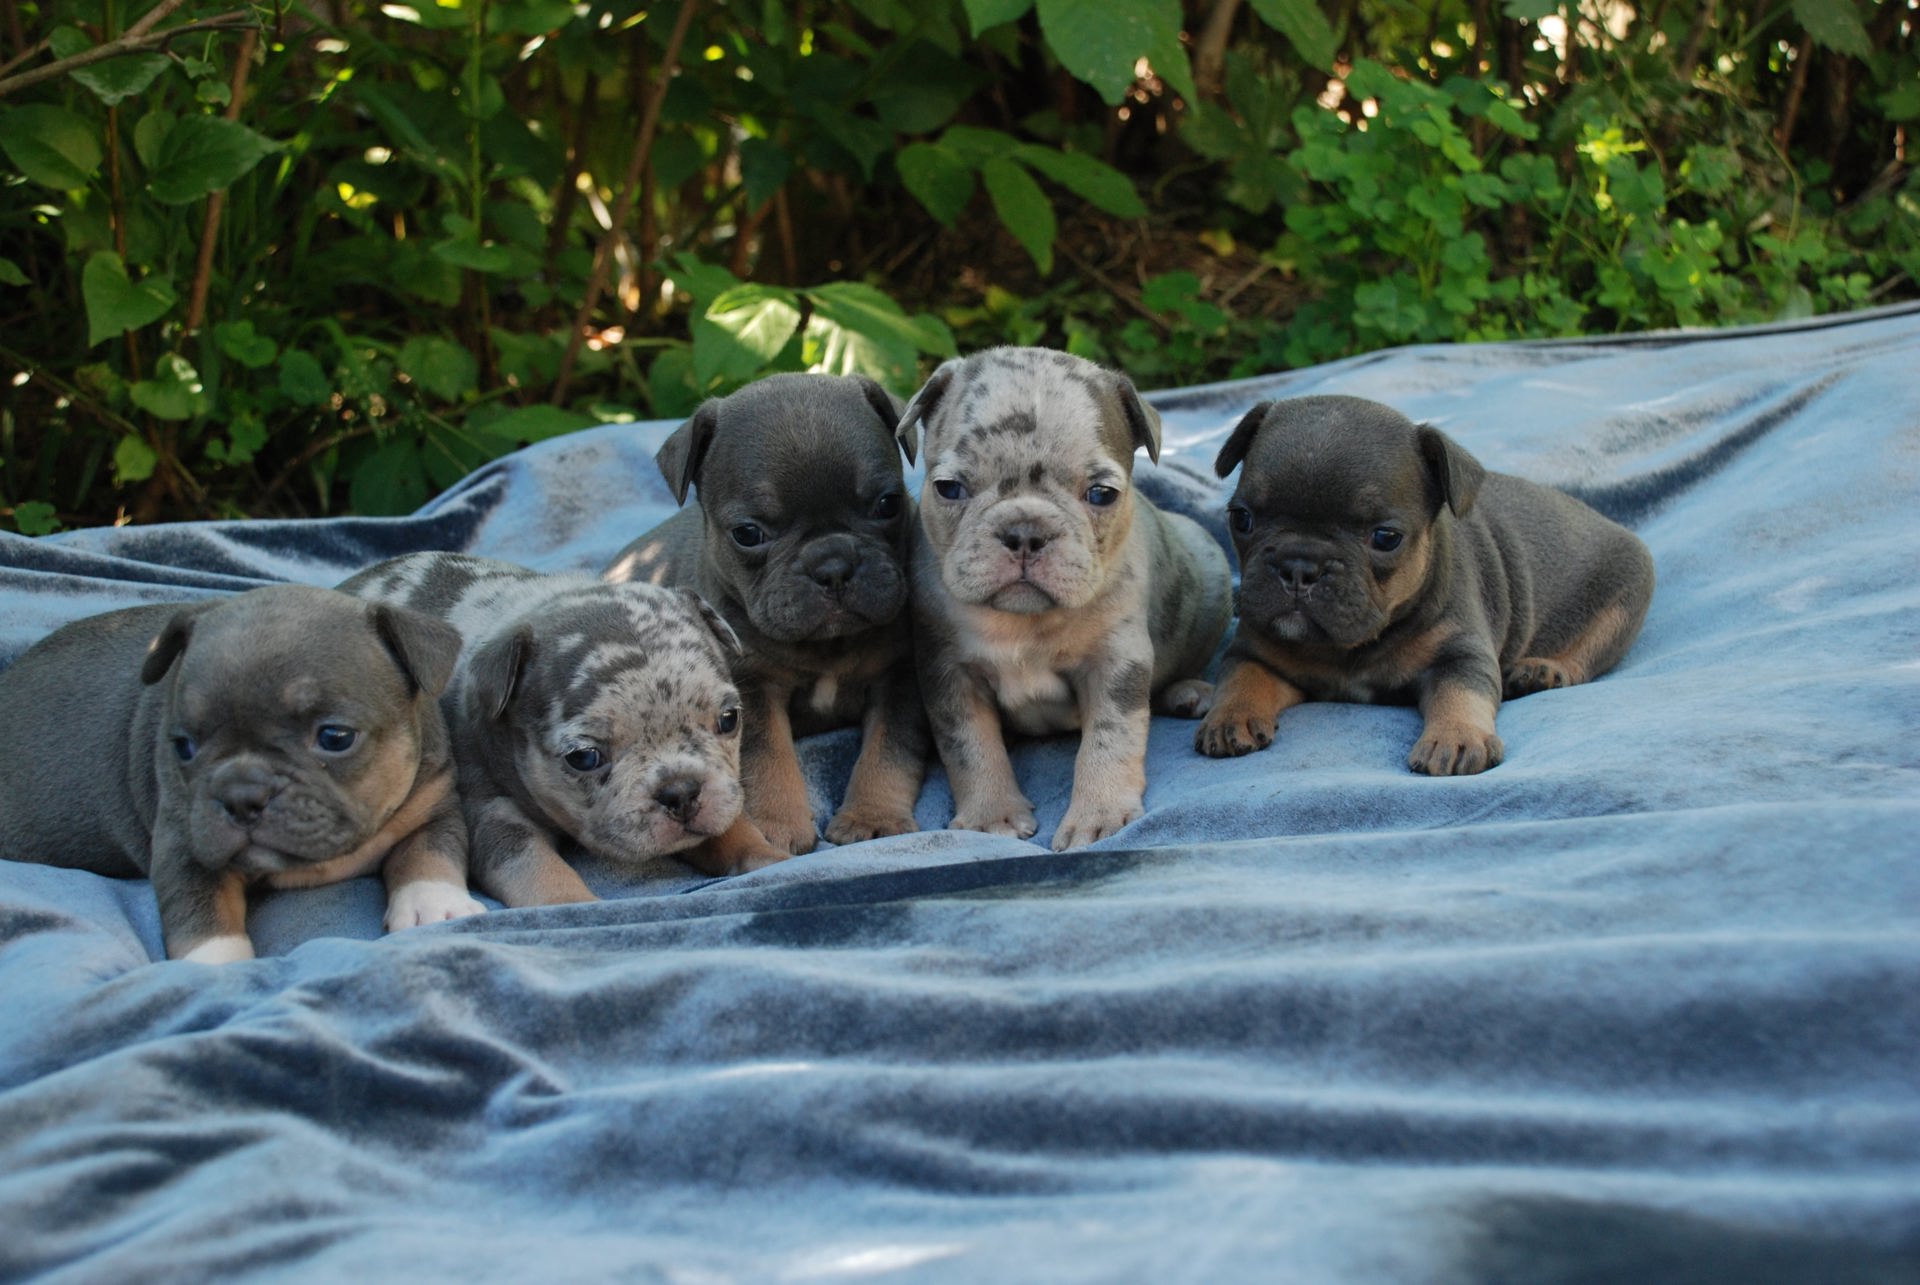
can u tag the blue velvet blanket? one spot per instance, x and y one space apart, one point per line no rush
1641 1003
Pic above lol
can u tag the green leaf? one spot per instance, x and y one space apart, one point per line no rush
10 274
237 340
532 424
1023 207
118 79
938 179
1902 103
175 391
977 146
468 252
1530 10
203 154
742 330
149 133
117 304
702 282
133 460
764 166
1835 24
440 366
303 379
858 329
1087 178
50 145
1099 41
391 481
982 14
1304 26
35 517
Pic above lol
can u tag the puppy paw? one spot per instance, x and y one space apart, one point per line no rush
793 833
855 823
1090 823
1010 817
1188 698
1226 734
221 950
1532 674
1456 751
426 901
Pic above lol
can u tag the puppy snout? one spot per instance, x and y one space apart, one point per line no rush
833 571
679 797
245 799
1295 573
1024 537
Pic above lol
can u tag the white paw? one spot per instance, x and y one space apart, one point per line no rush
1013 818
221 950
1091 823
428 902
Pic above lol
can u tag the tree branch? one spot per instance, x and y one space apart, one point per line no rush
139 38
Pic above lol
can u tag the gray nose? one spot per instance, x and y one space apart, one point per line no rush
679 798
1297 574
1024 538
245 800
832 571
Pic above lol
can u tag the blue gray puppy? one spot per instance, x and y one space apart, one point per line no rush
601 713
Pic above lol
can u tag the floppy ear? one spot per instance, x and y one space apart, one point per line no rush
424 648
168 644
1143 421
715 622
922 405
497 668
684 452
1240 440
884 403
1456 474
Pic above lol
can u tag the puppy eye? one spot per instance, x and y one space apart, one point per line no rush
728 722
1240 517
1101 496
333 738
184 749
887 507
950 489
584 760
748 536
1385 539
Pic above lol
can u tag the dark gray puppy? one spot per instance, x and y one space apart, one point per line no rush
602 713
801 540
1380 562
288 735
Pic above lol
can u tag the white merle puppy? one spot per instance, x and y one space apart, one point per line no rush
1048 595
599 712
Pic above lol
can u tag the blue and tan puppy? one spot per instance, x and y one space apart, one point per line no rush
800 540
1380 562
286 736
1048 594
601 713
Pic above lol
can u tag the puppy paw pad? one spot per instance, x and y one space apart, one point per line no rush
1015 822
1535 674
1229 737
1077 830
429 903
1464 753
856 826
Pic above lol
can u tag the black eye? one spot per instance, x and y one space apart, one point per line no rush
728 722
184 749
334 738
1101 496
584 760
887 507
1385 539
747 535
950 489
1240 517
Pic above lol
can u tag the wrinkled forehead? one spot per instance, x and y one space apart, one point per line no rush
1016 409
1336 466
264 666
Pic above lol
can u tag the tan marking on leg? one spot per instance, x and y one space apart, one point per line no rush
1247 704
524 869
884 787
776 791
1587 656
737 849
1459 737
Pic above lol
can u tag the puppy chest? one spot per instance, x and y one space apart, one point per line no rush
1035 697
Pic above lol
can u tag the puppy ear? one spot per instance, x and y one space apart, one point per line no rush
1240 440
168 644
884 403
715 622
1143 421
497 668
424 648
1455 473
684 452
921 407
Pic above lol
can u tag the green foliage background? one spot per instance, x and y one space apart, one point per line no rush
318 257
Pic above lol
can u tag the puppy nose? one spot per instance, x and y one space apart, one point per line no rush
1297 574
1023 537
832 571
245 801
679 798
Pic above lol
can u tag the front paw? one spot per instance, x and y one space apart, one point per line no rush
426 901
1091 822
1456 751
1188 698
1532 674
856 823
791 831
1012 817
1229 733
